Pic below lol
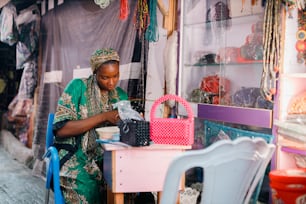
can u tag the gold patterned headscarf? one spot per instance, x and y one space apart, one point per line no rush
101 56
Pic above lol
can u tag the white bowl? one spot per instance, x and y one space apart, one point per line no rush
108 132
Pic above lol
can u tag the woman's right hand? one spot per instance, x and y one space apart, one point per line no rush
77 127
112 116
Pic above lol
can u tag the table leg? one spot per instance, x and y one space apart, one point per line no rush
110 196
118 198
114 198
159 195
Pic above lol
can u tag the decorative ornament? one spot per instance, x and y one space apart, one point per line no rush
300 46
301 35
103 3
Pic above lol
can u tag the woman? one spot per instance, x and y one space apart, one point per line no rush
85 105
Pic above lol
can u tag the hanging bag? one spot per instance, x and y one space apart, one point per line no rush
176 131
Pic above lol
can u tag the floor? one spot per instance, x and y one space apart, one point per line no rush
17 185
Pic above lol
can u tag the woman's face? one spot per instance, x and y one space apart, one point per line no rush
108 76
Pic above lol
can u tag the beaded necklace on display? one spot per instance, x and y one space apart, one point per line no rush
141 17
272 47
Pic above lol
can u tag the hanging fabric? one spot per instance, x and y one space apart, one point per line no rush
8 31
124 10
151 34
170 60
28 26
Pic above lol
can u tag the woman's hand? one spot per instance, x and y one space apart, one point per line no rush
77 127
112 116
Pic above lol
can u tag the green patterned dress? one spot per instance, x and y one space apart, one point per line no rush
80 175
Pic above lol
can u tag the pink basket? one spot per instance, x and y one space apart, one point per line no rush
172 130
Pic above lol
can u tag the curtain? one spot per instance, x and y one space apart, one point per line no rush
70 33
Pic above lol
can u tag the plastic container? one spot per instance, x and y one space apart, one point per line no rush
288 186
109 133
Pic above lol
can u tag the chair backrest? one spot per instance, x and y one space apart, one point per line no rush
53 166
49 131
212 130
232 169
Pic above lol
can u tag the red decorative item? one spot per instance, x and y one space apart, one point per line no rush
216 85
124 9
300 46
210 84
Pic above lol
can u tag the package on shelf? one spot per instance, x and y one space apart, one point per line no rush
214 131
228 55
250 97
217 86
293 127
298 104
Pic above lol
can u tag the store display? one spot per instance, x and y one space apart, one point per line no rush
219 55
290 119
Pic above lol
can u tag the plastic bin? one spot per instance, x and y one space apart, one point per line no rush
288 186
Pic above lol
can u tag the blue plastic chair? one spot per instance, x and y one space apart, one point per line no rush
53 165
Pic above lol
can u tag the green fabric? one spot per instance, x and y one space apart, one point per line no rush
81 177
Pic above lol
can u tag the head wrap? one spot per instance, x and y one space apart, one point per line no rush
101 56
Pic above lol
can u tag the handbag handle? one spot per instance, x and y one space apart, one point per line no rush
171 97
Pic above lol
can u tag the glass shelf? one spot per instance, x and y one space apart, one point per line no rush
245 62
220 63
238 19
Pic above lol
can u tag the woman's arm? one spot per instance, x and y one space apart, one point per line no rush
77 127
